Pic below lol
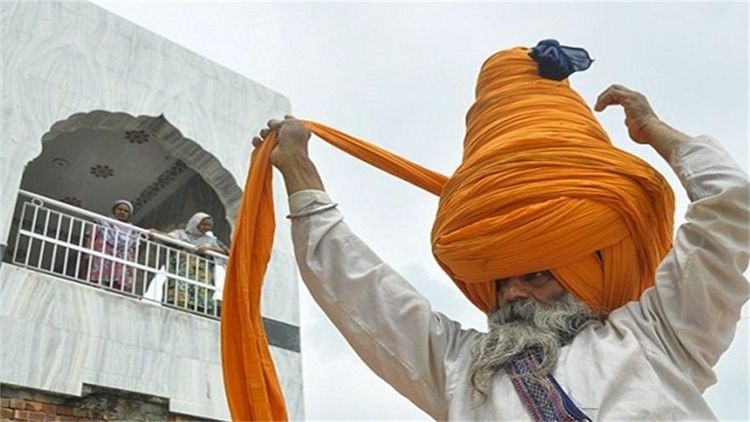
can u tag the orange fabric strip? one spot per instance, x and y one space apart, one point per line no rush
402 168
252 387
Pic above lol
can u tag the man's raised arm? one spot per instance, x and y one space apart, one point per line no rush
692 313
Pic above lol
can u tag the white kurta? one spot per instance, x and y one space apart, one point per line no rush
651 360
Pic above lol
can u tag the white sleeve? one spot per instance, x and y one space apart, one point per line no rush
692 312
387 322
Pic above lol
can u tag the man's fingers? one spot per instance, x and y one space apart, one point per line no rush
601 103
614 95
603 100
610 96
274 124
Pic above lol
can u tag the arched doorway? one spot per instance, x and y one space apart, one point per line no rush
91 159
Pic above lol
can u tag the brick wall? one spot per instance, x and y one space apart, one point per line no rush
95 404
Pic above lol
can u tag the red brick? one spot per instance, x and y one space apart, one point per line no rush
81 413
65 411
49 408
34 406
66 419
17 404
4 402
21 415
35 416
6 413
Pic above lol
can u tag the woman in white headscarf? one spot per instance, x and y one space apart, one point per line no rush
198 268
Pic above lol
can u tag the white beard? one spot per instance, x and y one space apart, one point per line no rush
527 326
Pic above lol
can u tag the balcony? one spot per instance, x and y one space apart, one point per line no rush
88 302
66 241
139 315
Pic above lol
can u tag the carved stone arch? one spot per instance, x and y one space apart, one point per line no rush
172 141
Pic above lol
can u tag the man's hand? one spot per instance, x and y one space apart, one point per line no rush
291 143
639 116
643 125
290 154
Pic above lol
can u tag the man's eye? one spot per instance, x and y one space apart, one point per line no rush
537 277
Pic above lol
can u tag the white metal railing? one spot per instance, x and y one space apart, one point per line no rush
70 242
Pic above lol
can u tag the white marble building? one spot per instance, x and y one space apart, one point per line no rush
95 108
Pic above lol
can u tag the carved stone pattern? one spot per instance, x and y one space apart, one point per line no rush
164 179
103 171
136 136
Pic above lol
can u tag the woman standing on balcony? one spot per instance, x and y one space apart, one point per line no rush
117 240
200 269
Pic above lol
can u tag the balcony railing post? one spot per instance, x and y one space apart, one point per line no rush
66 259
31 242
18 237
54 245
44 243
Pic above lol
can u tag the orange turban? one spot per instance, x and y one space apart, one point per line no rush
540 188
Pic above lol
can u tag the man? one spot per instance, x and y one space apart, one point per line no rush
547 355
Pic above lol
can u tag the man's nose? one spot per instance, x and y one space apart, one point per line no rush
514 290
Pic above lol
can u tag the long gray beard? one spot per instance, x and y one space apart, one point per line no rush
524 326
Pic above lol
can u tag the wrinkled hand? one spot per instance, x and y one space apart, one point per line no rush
291 143
640 118
290 154
643 125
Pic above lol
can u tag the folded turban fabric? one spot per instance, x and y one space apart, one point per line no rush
540 187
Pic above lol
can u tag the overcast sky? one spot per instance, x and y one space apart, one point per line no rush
402 75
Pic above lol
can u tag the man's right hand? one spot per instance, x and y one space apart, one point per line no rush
290 155
292 139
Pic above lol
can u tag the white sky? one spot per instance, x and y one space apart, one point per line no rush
402 76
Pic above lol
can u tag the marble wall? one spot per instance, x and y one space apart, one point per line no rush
58 335
60 59
64 58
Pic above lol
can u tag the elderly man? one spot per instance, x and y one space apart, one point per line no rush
548 354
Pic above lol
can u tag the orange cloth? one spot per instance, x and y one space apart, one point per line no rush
540 187
250 381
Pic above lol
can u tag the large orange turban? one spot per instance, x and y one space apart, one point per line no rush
540 188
